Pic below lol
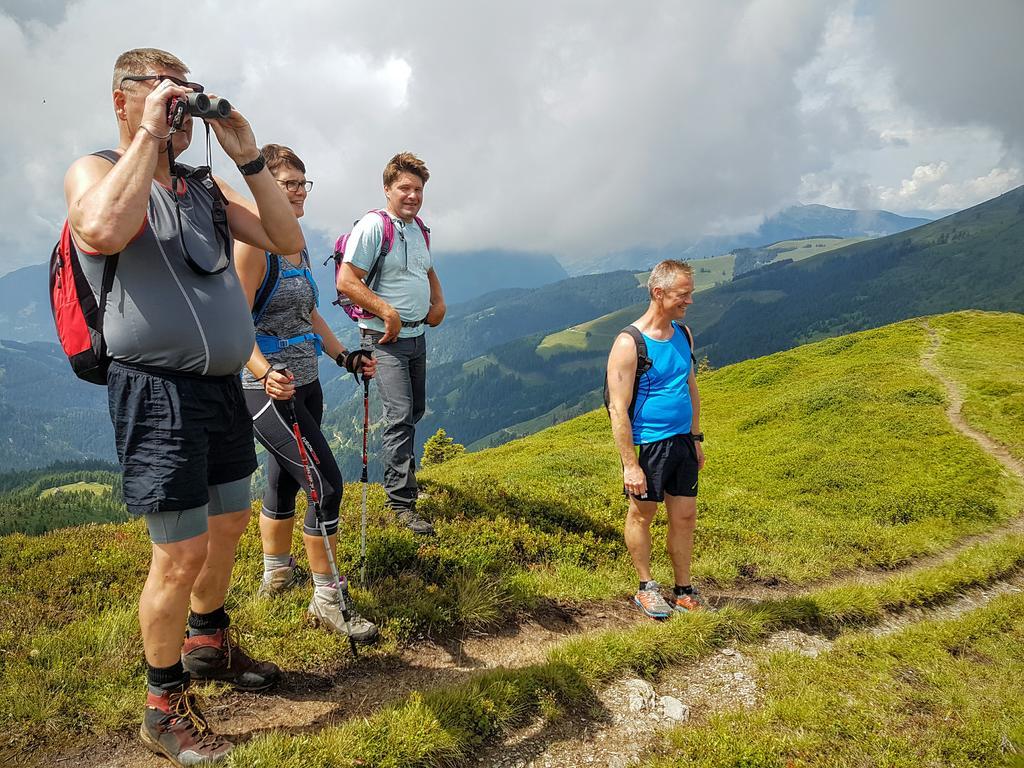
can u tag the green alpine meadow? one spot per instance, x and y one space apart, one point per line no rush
839 496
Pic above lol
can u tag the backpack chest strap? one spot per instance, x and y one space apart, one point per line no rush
270 344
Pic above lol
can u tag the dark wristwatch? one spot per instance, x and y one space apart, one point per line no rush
253 166
698 437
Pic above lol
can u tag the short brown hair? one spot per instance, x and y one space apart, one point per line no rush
665 273
405 162
138 61
277 155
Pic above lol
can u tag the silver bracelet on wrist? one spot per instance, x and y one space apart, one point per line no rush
158 138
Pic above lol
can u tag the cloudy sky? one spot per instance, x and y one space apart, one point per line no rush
575 127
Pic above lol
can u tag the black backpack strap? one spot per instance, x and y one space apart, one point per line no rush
689 339
109 263
643 363
107 283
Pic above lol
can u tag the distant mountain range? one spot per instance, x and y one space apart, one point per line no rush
795 222
46 414
465 275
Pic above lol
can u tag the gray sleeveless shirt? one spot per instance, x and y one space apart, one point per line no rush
160 312
289 313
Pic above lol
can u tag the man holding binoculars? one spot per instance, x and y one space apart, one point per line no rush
178 328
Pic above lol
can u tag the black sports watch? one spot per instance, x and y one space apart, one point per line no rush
697 436
253 166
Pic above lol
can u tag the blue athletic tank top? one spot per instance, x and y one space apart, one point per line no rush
663 406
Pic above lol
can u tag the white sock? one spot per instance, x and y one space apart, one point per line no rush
273 562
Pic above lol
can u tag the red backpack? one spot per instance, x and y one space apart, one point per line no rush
373 274
77 310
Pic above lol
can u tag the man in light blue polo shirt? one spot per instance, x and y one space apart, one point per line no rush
407 298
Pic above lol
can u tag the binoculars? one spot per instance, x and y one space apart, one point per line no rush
197 105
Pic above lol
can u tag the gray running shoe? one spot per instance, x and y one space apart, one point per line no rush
325 609
280 580
415 522
691 602
650 601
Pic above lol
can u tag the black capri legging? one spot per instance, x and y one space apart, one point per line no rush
271 421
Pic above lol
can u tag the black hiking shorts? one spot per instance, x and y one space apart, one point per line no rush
176 435
670 466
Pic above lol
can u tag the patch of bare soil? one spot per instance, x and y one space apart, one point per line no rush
628 716
966 602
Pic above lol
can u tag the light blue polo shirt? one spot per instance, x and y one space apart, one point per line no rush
403 280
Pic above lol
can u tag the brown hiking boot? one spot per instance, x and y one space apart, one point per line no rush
175 728
220 657
281 579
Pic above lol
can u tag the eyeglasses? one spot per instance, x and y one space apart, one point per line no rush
293 186
196 87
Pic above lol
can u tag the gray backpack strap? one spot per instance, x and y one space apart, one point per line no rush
109 155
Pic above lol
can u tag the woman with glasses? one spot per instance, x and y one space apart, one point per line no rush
290 331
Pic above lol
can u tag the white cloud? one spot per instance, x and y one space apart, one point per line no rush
908 195
884 147
924 190
577 127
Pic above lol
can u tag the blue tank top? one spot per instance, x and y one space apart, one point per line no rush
663 406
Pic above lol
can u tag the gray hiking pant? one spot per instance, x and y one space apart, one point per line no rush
401 381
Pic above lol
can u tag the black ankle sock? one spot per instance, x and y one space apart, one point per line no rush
643 585
208 623
161 679
680 590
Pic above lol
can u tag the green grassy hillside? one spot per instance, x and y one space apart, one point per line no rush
823 459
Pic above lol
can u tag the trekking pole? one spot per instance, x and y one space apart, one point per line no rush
365 478
314 498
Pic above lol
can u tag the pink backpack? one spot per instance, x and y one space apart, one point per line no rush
372 279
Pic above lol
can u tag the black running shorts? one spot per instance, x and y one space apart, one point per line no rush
176 434
670 466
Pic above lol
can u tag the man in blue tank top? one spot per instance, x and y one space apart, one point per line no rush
655 407
177 325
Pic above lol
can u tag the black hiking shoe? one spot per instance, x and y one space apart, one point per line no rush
175 728
415 522
220 657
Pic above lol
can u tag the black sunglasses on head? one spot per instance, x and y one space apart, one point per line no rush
143 78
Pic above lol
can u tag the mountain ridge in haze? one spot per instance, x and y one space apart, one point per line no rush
794 222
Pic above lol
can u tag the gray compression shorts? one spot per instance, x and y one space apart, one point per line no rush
173 526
